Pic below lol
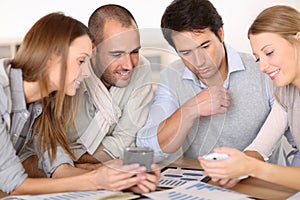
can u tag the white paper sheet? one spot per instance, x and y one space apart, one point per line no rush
87 195
294 197
195 190
175 177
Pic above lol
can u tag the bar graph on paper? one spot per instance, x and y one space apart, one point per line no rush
87 195
72 195
197 191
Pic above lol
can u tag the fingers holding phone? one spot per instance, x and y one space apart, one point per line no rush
140 155
144 157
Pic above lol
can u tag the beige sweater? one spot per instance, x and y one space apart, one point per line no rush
112 118
285 114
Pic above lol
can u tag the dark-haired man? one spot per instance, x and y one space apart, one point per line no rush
213 96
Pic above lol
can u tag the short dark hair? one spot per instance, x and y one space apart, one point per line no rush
190 15
108 12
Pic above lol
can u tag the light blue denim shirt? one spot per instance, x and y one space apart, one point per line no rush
14 115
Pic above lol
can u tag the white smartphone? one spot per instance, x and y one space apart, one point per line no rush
215 156
141 155
220 156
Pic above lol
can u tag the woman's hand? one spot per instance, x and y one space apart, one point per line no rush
150 183
222 171
226 183
116 177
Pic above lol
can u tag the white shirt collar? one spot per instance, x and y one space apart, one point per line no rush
235 63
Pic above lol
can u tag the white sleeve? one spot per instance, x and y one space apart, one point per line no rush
61 157
162 107
271 132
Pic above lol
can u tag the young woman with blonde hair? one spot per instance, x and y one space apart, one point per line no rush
275 40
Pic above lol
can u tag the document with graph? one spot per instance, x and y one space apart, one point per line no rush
172 177
86 195
195 190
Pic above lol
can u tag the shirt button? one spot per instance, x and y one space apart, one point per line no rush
25 115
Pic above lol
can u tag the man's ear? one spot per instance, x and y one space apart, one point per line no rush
94 50
297 36
221 33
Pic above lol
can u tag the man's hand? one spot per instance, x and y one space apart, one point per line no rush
210 101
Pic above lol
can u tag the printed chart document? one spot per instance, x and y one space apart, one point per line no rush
87 195
195 190
175 177
296 196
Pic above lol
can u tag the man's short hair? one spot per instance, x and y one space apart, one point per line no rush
190 15
108 12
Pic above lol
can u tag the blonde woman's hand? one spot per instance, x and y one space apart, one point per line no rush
236 165
226 183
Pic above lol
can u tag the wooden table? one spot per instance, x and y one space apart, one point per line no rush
251 186
2 194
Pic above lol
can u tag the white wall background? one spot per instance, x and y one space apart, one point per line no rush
17 16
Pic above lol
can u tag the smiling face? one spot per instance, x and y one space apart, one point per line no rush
118 54
77 63
77 66
277 57
202 52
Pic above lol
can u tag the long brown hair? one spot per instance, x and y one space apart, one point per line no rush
51 35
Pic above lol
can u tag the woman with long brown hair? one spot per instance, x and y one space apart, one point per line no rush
37 89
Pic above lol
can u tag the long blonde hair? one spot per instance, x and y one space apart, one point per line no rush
51 35
281 20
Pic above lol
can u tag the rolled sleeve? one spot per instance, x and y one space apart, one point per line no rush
61 158
12 177
163 106
145 139
12 172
